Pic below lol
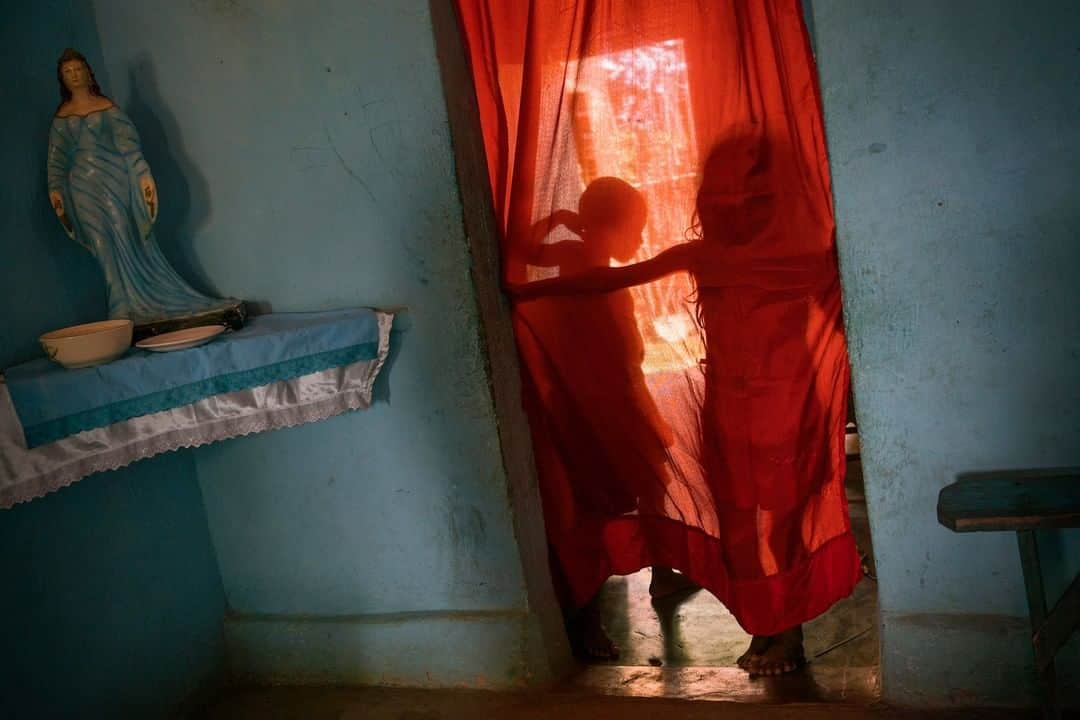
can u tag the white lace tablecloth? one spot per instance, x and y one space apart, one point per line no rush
28 474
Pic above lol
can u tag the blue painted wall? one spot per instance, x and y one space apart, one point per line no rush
954 134
304 161
111 602
46 280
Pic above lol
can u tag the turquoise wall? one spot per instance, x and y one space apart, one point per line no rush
46 280
303 161
954 134
111 601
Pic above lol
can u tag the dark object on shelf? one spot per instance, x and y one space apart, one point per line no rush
232 316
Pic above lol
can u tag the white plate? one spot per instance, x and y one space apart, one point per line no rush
181 339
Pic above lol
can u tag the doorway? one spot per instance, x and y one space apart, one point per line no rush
685 645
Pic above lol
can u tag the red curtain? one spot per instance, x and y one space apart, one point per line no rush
692 415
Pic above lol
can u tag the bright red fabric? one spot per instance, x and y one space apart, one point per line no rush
688 410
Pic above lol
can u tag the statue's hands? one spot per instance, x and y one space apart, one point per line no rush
57 202
149 196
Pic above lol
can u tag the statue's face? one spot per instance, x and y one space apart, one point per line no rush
75 74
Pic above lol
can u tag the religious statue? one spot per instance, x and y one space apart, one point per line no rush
105 197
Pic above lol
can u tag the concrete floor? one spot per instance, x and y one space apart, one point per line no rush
696 631
684 647
562 703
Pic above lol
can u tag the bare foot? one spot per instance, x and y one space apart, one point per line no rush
588 636
758 645
784 654
666 581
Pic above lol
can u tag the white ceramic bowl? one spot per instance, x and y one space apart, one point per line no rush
90 344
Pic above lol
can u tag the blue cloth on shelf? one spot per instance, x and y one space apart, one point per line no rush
53 402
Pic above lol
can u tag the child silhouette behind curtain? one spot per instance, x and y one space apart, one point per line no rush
770 446
595 351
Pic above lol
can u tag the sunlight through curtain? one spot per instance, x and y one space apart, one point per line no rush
661 183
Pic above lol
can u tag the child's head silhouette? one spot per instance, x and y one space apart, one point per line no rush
734 198
612 216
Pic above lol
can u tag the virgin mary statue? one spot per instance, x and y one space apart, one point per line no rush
105 197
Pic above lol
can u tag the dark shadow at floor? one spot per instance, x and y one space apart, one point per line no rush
298 703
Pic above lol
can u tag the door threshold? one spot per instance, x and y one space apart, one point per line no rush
811 684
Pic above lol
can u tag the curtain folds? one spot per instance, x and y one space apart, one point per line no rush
660 178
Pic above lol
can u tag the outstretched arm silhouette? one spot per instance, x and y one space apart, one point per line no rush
608 279
795 274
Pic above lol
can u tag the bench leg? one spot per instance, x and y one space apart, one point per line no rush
1036 597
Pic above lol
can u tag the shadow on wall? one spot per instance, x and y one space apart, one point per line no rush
46 280
184 192
380 392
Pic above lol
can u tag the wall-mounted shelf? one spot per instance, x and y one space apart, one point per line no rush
58 426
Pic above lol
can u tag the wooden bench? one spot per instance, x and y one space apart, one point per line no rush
1024 501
